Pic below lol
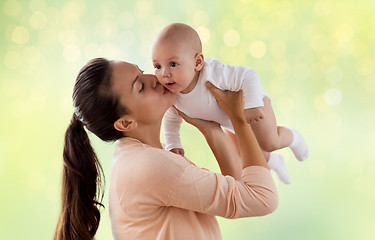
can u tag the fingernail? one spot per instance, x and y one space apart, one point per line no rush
209 84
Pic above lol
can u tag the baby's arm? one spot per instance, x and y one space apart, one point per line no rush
171 130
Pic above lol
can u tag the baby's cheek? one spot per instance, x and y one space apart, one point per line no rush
158 77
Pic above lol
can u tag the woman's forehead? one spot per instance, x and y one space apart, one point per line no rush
123 74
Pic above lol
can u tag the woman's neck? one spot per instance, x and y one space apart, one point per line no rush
147 134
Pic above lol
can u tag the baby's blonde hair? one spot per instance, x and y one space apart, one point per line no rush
182 33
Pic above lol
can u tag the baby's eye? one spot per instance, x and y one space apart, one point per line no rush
157 66
173 64
143 85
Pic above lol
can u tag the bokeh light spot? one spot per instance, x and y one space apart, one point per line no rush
204 34
281 67
201 18
12 8
20 35
37 5
319 42
38 20
91 50
125 19
231 38
322 7
128 38
333 96
365 66
72 53
344 32
12 59
110 51
68 37
73 9
258 49
32 55
143 8
285 9
333 74
301 71
320 104
358 164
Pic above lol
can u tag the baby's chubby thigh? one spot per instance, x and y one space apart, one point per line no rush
263 122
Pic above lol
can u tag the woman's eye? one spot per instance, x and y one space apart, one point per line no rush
142 87
173 64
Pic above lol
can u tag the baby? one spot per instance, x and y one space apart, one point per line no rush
180 66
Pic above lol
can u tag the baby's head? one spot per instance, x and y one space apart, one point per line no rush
177 57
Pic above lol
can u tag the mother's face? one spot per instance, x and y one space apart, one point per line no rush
141 94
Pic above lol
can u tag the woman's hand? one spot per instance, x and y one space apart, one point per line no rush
178 151
226 156
231 102
202 125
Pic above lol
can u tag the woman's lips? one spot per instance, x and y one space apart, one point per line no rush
165 91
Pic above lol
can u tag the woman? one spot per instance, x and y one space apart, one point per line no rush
154 194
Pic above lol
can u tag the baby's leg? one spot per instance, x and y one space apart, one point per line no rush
275 161
270 136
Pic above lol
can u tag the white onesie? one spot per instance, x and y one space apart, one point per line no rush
200 103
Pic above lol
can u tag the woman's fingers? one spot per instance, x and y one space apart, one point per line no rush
183 115
229 101
217 93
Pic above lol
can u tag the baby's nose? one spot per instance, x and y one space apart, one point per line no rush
165 72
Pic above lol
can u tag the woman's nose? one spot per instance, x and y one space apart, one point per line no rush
154 82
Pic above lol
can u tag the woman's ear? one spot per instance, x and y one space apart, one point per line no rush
124 124
199 62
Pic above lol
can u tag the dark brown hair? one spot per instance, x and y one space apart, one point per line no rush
97 108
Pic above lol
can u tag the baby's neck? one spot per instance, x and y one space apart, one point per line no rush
192 84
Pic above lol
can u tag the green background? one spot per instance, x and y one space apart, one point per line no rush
315 59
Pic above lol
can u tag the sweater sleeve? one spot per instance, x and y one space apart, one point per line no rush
171 129
206 192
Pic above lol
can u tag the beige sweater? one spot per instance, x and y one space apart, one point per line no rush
156 194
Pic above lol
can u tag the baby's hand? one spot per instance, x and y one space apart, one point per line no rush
253 115
179 151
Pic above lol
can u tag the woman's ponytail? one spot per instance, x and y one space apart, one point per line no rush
81 186
97 108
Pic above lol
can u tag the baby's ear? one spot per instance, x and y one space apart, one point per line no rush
199 62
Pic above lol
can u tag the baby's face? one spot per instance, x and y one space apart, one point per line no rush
174 65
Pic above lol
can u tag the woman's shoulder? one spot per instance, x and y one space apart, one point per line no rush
133 157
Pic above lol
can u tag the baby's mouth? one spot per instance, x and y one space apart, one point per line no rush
170 84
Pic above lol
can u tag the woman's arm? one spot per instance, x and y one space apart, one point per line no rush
254 194
232 104
226 155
